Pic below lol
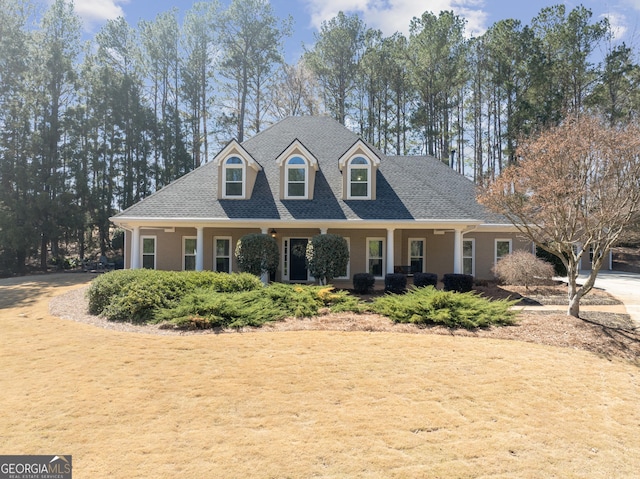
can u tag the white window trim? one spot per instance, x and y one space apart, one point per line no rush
495 247
155 250
369 169
473 255
215 255
184 251
383 249
305 196
424 253
243 167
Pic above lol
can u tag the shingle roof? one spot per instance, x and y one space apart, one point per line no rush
408 188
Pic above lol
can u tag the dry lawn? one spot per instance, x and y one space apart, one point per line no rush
300 404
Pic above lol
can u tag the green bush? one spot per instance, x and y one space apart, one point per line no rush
363 282
421 280
395 283
461 283
327 257
430 306
135 295
257 253
206 309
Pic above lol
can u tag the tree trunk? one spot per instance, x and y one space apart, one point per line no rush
574 306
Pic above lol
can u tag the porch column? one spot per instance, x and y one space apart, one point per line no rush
135 248
200 248
264 277
390 248
457 251
323 231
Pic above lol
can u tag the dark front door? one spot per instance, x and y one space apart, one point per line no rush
298 247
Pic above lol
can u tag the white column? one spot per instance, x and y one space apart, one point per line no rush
323 231
264 277
457 251
135 248
390 248
200 248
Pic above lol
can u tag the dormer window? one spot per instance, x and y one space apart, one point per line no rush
359 166
234 176
359 173
237 172
298 169
296 174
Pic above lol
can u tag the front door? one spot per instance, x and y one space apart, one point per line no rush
298 267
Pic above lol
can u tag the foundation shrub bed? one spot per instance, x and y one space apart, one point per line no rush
136 295
448 308
205 309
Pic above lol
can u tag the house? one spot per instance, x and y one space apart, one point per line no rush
310 175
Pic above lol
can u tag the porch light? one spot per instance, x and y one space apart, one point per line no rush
273 232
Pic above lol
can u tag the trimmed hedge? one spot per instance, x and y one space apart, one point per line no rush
461 283
395 283
420 280
363 282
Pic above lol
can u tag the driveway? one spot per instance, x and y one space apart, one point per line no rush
622 285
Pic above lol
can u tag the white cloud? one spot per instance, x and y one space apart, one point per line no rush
391 16
618 25
95 12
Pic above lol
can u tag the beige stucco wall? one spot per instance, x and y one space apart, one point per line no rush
438 255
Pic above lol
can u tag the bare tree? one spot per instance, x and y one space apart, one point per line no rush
573 191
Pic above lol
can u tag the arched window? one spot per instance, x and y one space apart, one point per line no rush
297 175
234 176
359 178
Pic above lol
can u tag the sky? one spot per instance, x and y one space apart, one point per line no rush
389 16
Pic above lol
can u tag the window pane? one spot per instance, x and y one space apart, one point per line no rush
296 161
234 189
234 174
296 189
359 174
190 246
417 248
416 265
375 249
358 189
148 245
148 261
296 174
467 248
234 161
502 248
375 267
222 264
189 263
222 247
359 161
467 265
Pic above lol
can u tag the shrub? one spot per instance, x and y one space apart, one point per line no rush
395 283
461 283
363 282
135 295
257 253
327 257
522 268
448 308
421 280
206 309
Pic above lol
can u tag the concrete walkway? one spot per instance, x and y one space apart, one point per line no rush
623 286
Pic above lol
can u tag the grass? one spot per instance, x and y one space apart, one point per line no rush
307 404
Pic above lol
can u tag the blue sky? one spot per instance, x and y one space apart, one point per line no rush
387 15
